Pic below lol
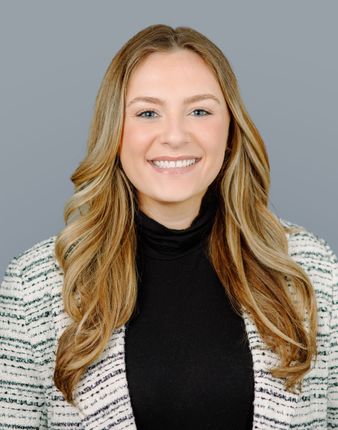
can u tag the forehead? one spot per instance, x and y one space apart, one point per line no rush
181 68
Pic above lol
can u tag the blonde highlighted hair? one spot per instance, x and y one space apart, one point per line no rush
248 246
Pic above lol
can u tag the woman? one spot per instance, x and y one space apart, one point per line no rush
173 298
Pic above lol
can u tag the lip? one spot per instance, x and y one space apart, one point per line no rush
181 157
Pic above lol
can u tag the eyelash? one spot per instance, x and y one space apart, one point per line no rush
139 114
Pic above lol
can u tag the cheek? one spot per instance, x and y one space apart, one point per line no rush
215 138
134 142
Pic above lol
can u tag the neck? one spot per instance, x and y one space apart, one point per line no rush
174 215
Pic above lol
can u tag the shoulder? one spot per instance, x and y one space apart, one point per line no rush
33 272
304 243
36 253
38 256
315 255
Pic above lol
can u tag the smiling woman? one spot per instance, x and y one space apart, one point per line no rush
185 85
173 298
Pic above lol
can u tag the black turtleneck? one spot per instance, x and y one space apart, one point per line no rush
187 357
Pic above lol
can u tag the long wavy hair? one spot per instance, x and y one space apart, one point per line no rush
248 247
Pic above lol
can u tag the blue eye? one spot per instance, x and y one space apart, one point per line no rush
202 110
147 116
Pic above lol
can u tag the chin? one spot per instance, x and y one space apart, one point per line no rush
174 198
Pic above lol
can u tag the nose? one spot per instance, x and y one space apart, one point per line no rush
174 131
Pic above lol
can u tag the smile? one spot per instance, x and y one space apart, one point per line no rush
165 164
177 167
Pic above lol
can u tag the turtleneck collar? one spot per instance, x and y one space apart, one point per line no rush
158 241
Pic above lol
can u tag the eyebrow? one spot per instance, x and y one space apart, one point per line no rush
187 100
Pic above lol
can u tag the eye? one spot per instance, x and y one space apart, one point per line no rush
202 110
141 114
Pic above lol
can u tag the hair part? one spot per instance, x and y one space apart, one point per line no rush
248 246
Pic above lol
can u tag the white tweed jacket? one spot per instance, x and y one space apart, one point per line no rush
32 319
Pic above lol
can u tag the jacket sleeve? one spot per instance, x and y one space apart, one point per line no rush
21 391
332 392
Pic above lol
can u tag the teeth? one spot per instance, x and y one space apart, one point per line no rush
174 164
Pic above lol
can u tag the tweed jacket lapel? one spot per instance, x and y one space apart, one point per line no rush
101 397
273 405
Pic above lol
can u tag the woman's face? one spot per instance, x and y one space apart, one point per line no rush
166 119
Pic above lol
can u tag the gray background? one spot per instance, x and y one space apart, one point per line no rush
53 58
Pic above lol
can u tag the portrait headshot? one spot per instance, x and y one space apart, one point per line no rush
165 289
